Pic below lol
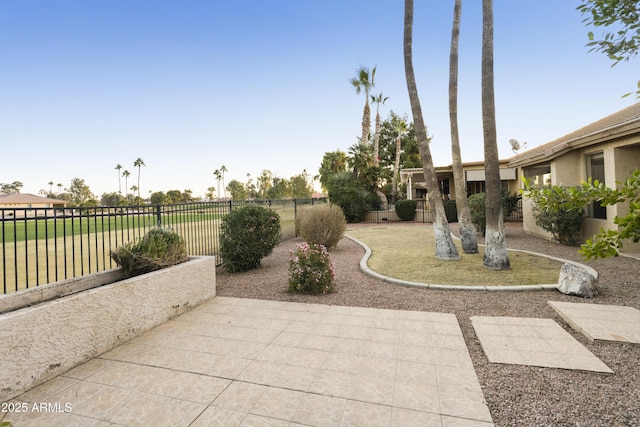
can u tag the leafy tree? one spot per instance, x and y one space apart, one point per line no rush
279 189
332 162
624 17
210 194
467 230
237 190
111 199
14 187
158 198
495 253
364 80
265 181
609 242
79 191
174 196
445 248
300 186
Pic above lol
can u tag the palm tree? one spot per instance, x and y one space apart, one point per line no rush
495 252
118 167
377 99
138 163
223 169
400 129
445 248
218 176
50 185
59 185
126 176
364 80
467 229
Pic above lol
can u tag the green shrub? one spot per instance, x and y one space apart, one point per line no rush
406 209
247 235
354 199
451 210
553 211
477 212
311 270
159 248
322 225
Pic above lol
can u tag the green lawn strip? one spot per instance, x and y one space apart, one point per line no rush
408 253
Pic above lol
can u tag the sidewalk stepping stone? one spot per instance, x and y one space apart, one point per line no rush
598 322
533 342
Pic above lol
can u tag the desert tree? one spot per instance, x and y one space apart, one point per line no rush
445 248
495 253
467 229
401 129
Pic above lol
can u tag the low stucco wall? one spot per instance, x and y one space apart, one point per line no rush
40 342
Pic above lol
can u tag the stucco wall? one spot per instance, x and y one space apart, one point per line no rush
40 342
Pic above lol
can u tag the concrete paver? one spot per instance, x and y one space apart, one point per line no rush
535 342
599 322
242 362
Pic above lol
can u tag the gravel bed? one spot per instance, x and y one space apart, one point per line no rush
516 395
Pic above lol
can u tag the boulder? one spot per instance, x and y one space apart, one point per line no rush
577 280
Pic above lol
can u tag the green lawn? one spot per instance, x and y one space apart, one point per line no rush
408 253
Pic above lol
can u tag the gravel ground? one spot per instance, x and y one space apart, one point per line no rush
516 395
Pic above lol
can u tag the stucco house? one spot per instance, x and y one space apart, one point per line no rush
606 150
473 174
34 204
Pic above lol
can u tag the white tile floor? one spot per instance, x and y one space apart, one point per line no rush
600 322
534 342
241 362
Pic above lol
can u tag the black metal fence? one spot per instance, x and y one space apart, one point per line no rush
424 213
45 245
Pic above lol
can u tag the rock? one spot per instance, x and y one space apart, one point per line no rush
577 280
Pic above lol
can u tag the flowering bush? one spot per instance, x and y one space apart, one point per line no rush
311 270
247 235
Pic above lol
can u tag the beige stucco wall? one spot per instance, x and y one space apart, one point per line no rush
40 342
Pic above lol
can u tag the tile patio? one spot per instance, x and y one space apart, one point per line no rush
534 342
241 362
600 322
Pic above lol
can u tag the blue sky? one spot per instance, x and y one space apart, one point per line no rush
192 85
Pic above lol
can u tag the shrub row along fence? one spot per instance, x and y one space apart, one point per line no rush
39 246
424 213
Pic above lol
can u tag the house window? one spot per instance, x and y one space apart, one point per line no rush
444 187
539 175
595 171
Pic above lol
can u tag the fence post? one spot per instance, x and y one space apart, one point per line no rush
230 205
158 215
295 208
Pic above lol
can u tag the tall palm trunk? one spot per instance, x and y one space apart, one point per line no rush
366 121
467 229
376 141
445 248
495 253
